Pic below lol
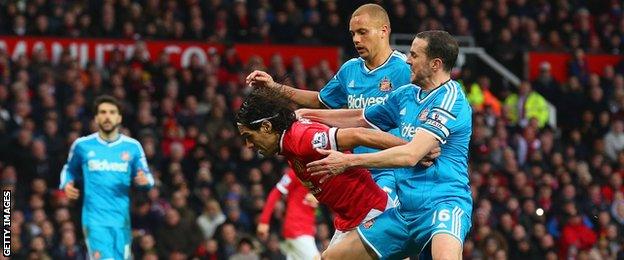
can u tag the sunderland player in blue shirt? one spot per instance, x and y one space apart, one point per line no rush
360 82
434 216
107 163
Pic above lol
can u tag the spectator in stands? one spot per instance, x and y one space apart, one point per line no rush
614 140
526 105
211 218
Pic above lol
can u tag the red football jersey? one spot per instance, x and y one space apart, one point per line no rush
351 195
299 219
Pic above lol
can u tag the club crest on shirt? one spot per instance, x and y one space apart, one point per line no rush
125 156
369 224
423 115
385 85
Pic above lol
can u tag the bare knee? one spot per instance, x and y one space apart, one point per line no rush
445 247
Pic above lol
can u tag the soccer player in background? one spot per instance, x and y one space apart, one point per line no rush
436 203
107 163
266 122
299 221
360 82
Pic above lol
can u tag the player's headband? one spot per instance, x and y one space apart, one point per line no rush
262 119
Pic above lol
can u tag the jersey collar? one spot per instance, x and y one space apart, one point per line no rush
281 142
107 143
446 84
369 71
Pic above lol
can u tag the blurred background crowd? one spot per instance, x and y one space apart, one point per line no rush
541 191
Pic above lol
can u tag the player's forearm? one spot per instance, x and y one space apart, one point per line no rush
267 211
406 155
349 138
343 118
303 98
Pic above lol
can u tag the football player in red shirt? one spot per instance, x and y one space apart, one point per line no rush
299 224
267 122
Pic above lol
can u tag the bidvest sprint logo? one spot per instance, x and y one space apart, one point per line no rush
105 165
359 101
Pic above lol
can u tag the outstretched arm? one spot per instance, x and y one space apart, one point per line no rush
335 117
348 138
406 155
304 98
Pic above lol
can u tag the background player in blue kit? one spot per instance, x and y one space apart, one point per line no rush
107 163
360 82
436 202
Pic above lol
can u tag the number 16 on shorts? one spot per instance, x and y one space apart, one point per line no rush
450 221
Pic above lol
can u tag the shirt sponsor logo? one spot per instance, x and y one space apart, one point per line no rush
407 130
357 102
105 165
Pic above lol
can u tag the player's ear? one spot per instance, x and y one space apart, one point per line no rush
266 126
437 64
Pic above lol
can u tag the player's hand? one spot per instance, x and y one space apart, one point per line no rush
430 157
310 200
71 191
301 113
335 163
141 179
263 231
259 78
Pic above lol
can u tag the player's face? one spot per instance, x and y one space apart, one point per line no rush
108 117
262 140
366 34
420 64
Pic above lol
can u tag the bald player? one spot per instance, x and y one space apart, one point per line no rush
360 82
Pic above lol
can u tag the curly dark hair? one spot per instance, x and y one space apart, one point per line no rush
270 104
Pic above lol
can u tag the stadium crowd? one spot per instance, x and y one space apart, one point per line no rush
540 191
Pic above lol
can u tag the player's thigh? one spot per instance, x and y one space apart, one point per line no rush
450 224
100 242
123 240
304 247
387 235
348 247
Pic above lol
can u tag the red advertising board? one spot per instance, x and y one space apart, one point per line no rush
180 52
559 63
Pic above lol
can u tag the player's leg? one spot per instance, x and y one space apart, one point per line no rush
349 247
383 237
99 242
450 224
123 239
304 247
386 180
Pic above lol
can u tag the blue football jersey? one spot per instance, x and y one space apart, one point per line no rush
107 170
357 87
445 113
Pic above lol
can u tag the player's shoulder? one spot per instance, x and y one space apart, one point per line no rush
350 64
398 56
450 94
85 140
406 88
129 140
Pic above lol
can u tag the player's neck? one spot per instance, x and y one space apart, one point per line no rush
436 81
109 137
379 59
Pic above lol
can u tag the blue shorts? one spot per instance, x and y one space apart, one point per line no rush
393 236
108 242
386 181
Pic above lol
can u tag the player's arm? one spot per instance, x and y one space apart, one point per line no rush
406 155
348 138
304 98
70 172
335 117
141 172
281 188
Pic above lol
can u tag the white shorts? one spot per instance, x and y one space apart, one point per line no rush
340 235
303 247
